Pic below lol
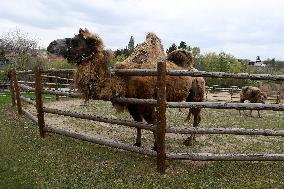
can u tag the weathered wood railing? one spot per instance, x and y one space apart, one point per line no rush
161 104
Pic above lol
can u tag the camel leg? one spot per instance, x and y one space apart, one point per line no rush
86 97
250 113
188 116
150 118
197 119
135 115
258 114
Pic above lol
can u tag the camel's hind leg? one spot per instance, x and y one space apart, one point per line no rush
188 115
197 119
258 113
136 116
150 117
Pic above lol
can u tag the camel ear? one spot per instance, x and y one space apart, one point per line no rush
81 31
85 33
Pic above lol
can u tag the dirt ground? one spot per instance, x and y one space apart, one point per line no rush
210 118
222 96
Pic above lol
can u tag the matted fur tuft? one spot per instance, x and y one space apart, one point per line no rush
181 58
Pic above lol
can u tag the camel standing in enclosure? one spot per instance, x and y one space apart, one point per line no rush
253 95
94 79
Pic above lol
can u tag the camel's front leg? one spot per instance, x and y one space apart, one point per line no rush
138 138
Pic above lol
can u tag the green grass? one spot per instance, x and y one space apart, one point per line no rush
27 161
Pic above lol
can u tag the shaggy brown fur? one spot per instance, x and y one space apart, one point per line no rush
93 76
253 95
181 58
184 59
148 52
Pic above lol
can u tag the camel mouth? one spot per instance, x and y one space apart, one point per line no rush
59 47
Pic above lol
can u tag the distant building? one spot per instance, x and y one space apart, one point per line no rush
257 62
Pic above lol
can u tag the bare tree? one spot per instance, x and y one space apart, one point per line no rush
18 42
20 49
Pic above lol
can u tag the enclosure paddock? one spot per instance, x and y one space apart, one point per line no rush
161 105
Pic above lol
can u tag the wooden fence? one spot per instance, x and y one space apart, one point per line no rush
161 104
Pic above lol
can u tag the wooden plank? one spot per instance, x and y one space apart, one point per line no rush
101 119
53 92
47 84
153 72
30 115
235 131
225 105
135 101
48 71
132 72
56 77
226 75
28 100
101 141
27 88
225 157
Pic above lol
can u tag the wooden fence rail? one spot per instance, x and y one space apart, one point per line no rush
153 72
225 105
234 131
30 115
53 92
101 119
102 141
27 100
47 84
226 157
161 105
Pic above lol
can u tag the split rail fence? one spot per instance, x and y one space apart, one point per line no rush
161 105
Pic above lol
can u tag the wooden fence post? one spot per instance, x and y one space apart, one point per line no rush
17 91
161 117
231 93
38 94
56 88
278 98
12 91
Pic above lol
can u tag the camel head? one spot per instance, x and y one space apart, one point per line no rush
84 45
181 57
261 97
59 47
78 48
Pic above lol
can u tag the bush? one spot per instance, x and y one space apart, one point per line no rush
60 64
222 62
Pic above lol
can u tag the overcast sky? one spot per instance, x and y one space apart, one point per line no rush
244 28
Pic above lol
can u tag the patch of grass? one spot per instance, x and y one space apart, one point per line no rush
27 161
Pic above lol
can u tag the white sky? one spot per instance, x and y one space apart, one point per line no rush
244 28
